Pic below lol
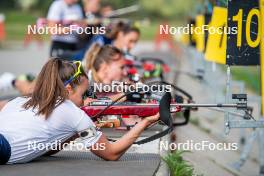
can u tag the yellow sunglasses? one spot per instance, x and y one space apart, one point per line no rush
78 72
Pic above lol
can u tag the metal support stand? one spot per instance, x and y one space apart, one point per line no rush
241 86
228 77
261 151
246 150
229 122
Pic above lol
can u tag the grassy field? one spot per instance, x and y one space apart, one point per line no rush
250 75
17 22
148 32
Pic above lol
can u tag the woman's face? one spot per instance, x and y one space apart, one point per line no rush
113 71
116 70
129 40
76 93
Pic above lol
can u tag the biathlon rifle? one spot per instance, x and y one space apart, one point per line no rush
164 107
146 67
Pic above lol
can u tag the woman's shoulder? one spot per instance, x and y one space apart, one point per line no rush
67 106
68 112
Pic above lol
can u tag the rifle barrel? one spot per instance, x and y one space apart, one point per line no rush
195 105
123 11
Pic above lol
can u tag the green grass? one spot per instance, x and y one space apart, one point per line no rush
250 75
16 23
177 165
148 32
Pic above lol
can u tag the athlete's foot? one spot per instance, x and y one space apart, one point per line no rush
6 81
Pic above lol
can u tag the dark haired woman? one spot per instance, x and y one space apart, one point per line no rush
122 36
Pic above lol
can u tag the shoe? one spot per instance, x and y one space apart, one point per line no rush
6 80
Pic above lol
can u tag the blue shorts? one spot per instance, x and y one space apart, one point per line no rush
5 150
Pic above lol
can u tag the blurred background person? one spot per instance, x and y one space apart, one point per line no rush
64 13
122 36
91 10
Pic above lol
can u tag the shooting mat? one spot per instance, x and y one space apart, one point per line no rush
68 163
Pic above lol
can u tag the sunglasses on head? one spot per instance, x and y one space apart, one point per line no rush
76 74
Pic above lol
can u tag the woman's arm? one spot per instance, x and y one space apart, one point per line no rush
113 151
68 141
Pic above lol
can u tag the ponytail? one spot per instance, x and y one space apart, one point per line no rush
91 55
49 91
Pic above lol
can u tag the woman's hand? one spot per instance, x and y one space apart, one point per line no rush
115 150
152 119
